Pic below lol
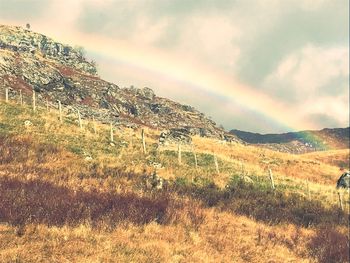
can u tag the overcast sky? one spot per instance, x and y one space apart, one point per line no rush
295 52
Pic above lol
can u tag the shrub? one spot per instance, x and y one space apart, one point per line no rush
329 245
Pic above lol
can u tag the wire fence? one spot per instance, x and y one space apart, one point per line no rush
40 103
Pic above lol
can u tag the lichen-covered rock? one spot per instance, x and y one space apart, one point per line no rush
344 180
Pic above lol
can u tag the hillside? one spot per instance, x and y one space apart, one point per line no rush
31 61
299 142
70 194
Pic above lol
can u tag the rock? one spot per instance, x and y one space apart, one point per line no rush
344 180
156 165
28 123
247 179
88 158
175 135
156 181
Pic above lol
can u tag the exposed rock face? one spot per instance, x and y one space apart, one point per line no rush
31 61
176 135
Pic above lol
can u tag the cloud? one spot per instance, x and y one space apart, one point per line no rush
308 73
294 26
314 80
23 9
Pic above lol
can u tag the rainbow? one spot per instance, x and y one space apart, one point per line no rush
199 77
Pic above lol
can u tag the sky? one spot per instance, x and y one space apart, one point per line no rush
265 66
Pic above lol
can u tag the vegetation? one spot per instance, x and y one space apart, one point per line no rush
68 194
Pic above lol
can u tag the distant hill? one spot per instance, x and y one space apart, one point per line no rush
299 142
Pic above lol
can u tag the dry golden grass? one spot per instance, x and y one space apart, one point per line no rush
190 231
222 237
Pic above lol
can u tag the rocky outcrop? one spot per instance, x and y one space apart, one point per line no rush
25 42
31 61
344 180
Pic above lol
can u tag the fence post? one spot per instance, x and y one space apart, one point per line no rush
143 141
47 105
79 119
308 190
34 101
94 124
20 97
242 169
111 132
6 95
60 111
179 153
216 164
271 179
340 201
195 157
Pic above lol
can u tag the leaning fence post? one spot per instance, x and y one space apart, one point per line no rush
34 101
179 153
216 164
60 111
6 95
143 141
271 179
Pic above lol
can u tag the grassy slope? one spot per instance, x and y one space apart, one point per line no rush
56 206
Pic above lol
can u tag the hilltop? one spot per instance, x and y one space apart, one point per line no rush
31 61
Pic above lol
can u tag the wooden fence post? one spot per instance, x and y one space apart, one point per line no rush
79 119
308 190
143 141
216 164
271 179
6 95
179 153
111 132
34 101
195 157
47 105
94 124
20 97
242 169
340 201
60 111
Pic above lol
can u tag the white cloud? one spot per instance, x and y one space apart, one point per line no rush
307 72
314 81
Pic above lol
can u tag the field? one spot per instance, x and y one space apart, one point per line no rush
68 194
